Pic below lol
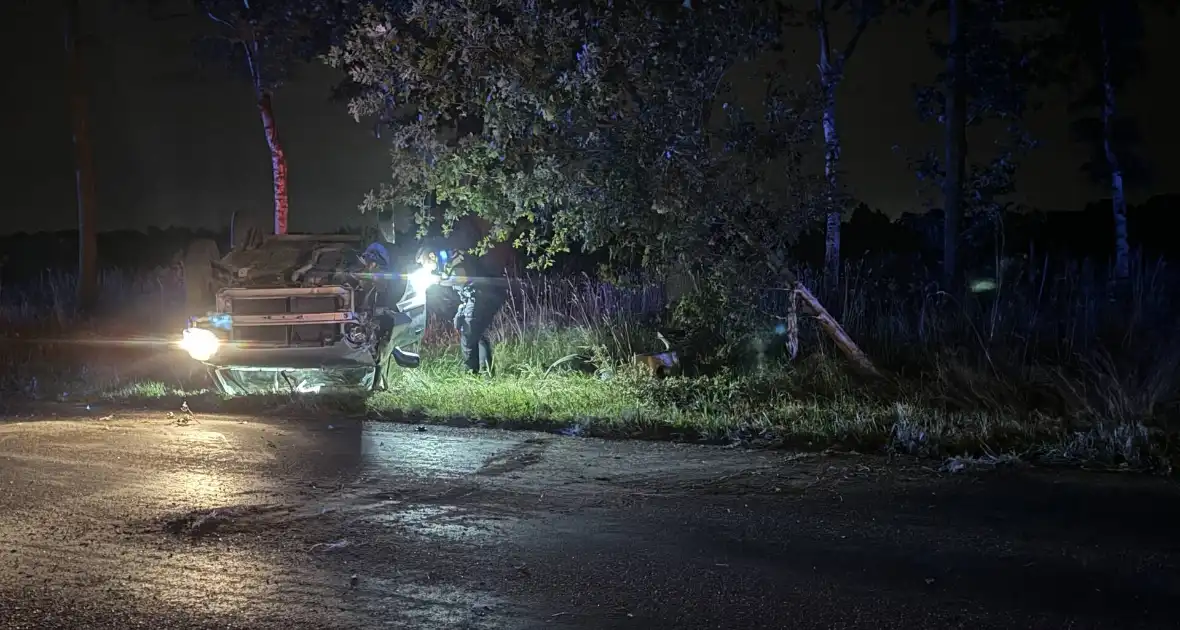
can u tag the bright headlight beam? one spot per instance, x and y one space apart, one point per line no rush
200 344
422 279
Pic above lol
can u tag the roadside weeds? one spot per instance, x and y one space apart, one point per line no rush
811 405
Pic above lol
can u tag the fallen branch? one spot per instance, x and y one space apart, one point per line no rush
847 346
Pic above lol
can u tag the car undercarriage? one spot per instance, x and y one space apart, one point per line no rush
308 313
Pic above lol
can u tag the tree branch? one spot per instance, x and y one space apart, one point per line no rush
821 19
220 21
854 40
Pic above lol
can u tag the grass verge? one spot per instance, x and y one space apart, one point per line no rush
1057 368
811 405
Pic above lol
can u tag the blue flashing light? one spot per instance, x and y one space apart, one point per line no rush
224 321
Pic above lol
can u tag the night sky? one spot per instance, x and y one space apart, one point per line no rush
174 149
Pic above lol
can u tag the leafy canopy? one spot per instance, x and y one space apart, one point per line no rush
589 122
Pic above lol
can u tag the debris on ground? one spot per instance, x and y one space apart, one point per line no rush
187 417
987 462
200 525
226 520
332 546
573 430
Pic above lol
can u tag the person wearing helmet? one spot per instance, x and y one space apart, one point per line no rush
378 260
481 296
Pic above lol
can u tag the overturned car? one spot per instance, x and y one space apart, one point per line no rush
308 313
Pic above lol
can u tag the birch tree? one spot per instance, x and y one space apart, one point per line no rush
263 40
1105 39
833 61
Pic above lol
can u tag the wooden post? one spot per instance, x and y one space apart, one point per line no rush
792 325
834 330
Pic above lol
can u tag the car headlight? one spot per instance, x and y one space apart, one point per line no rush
199 343
422 279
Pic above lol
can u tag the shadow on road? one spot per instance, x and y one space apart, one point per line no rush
1032 543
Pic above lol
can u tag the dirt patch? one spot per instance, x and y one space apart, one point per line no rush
203 524
519 457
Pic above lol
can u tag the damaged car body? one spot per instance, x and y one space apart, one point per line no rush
308 313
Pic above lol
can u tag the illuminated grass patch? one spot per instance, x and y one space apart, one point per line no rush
1061 373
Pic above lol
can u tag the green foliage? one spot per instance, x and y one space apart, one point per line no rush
714 326
585 124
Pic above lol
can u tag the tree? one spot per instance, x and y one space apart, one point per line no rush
1103 40
955 122
992 61
587 124
83 159
265 39
832 64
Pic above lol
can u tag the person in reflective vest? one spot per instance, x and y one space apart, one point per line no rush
482 294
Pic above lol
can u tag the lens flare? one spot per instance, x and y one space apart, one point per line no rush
422 279
983 285
199 343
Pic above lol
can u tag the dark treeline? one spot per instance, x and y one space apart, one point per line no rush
1065 235
868 236
24 257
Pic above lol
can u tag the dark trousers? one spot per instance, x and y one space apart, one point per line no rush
384 357
476 313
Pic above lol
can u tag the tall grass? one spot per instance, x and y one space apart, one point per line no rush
1048 340
1054 353
587 316
1061 339
148 300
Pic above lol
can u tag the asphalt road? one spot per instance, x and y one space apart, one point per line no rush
141 520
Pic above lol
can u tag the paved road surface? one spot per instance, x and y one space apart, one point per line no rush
136 521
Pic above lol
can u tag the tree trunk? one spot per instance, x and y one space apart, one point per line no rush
278 160
1118 197
829 75
83 163
956 146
